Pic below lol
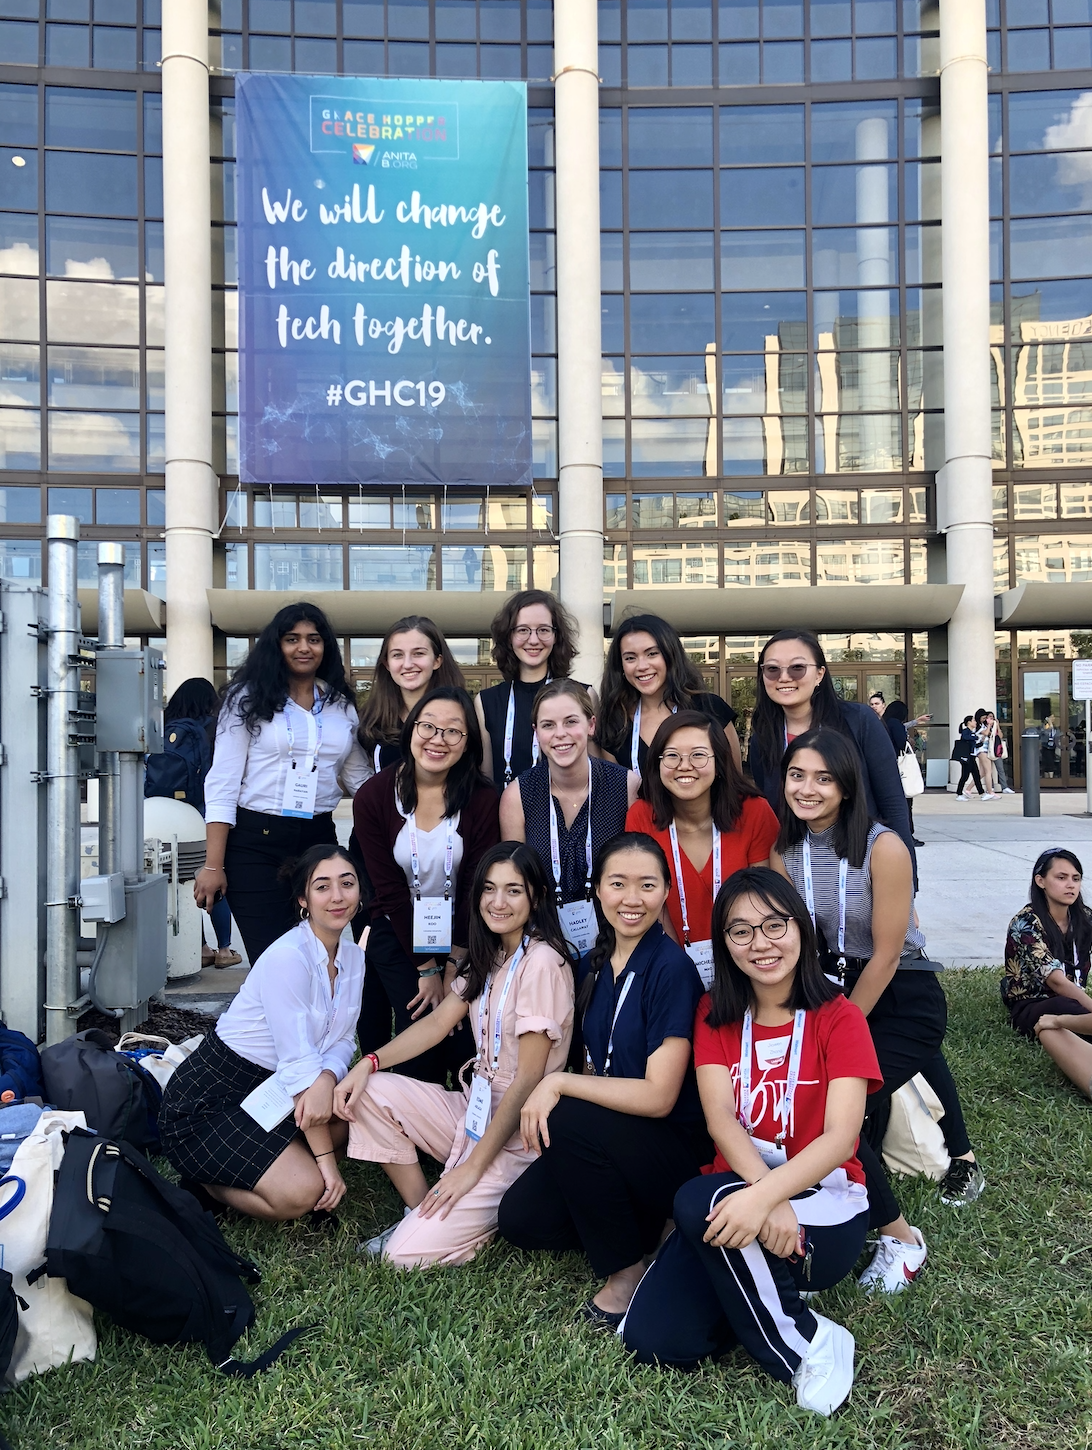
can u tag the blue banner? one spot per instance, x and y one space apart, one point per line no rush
383 279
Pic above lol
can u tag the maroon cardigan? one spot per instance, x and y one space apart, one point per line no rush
376 824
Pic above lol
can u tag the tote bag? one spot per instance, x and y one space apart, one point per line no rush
55 1328
910 773
914 1144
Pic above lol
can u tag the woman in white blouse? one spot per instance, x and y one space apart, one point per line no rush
287 1039
286 753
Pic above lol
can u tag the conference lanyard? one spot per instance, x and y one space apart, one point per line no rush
509 734
679 875
555 845
301 785
626 985
483 1010
375 757
809 898
312 715
415 858
635 743
746 1098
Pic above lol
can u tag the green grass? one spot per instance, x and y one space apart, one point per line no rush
990 1348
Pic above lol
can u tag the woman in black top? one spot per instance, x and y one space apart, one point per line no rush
534 640
413 659
647 678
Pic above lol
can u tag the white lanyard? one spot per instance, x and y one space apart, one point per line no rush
635 743
312 714
614 1022
509 733
555 846
415 859
483 1009
375 757
679 876
745 1096
809 898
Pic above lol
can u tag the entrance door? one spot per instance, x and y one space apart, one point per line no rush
1045 697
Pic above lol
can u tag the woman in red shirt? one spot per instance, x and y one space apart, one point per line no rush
784 1063
709 821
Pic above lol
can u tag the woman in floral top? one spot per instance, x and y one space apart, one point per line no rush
1047 963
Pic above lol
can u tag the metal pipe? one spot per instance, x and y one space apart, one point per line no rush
579 330
111 636
62 792
1029 769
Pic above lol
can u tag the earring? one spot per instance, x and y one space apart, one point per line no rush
304 913
360 907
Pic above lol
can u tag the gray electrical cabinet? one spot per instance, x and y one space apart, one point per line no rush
134 967
129 701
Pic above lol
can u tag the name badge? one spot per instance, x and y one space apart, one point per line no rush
579 926
770 1153
431 925
772 1053
300 789
701 954
479 1109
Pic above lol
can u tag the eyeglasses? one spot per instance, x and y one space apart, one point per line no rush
741 933
699 759
523 632
451 736
794 672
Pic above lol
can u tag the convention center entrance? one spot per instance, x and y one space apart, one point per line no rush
1045 702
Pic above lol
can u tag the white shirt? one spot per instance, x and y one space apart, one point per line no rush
285 1018
432 848
250 770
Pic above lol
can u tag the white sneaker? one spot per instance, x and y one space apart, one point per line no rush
825 1375
961 797
376 1246
989 796
1008 790
894 1265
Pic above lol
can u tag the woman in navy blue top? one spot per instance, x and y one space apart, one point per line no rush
621 1134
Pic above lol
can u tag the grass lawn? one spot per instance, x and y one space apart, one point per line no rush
992 1346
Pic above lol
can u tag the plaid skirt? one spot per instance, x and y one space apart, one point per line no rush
205 1134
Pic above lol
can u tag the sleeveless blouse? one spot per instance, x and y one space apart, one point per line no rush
824 874
609 803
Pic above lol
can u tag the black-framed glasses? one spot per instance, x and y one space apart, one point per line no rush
741 933
699 759
794 672
523 632
450 736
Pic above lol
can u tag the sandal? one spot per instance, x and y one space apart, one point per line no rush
597 1318
226 957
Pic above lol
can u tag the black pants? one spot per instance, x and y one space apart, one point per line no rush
258 846
390 982
938 1075
605 1184
908 1024
696 1301
970 768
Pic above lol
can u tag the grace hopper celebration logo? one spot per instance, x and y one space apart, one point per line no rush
373 133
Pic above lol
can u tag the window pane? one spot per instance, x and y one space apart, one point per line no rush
271 53
88 248
856 319
117 506
87 565
663 137
849 444
19 373
1055 558
1035 501
762 259
860 256
91 184
102 120
320 512
94 377
543 387
18 43
19 308
776 562
375 566
739 65
18 244
697 510
20 506
749 318
664 387
610 261
455 19
78 502
19 108
841 195
20 559
844 561
755 134
1047 120
677 195
1060 183
739 18
19 179
762 196
94 312
923 253
671 261
1047 436
67 45
113 48
1051 373
854 130
744 509
97 442
769 445
1050 247
474 567
673 448
857 382
881 506
747 380
297 566
675 565
836 506
662 324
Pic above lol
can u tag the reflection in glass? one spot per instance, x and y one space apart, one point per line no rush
94 377
543 262
664 136
1035 501
835 506
675 565
843 195
762 196
477 567
297 566
614 448
20 506
614 387
673 448
79 502
614 566
100 119
93 312
884 506
1055 558
97 442
653 511
750 319
663 387
87 565
1060 183
924 317
1048 120
845 130
379 566
20 559
1050 247
19 373
697 510
611 277
770 563
857 382
762 259
765 446
543 448
93 185
1047 437
19 308
858 256
856 319
1076 500
106 250
670 261
543 387
849 443
853 561
683 196
745 509
671 323
18 244
752 135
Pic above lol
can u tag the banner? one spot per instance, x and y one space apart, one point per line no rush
383 281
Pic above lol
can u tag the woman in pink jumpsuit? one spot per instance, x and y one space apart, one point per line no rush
517 990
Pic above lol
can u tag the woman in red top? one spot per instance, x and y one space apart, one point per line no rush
784 1063
708 819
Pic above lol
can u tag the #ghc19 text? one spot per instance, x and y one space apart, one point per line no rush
359 394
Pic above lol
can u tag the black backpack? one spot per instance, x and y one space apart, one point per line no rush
145 1252
179 772
118 1098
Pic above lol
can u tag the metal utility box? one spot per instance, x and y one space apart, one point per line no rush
134 961
129 701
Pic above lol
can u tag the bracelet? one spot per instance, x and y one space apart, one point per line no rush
207 868
374 1060
328 1154
432 972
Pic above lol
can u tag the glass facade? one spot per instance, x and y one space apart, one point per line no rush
771 313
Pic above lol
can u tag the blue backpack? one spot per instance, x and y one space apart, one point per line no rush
20 1065
179 773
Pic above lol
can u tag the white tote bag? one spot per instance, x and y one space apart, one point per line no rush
910 773
56 1328
160 1065
914 1143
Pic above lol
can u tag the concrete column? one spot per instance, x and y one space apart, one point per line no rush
964 484
187 263
579 338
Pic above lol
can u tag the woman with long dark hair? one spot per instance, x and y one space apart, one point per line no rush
421 827
619 1137
292 1021
286 753
795 694
1047 963
648 678
413 660
709 821
515 988
784 1064
534 640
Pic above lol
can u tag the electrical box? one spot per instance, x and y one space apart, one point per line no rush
129 700
133 966
102 898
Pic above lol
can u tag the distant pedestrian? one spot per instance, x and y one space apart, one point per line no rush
964 754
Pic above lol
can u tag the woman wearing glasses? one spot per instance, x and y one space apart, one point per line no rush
709 821
796 694
534 640
422 827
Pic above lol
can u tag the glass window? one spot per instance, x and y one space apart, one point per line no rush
739 64
610 199
271 15
543 448
614 448
93 185
762 259
842 195
647 65
20 438
476 567
782 62
67 45
832 60
1050 247
762 196
99 120
93 312
544 323
368 513
297 566
697 510
836 506
20 559
751 320
1035 501
19 373
1048 302
1047 120
747 510
615 511
673 448
378 566
857 382
923 253
543 387
767 564
409 18
1055 558
97 442
662 387
1050 436
365 17
746 381
681 196
156 505
610 261
675 565
881 506
671 261
614 387
923 190
1029 50
845 561
858 256
752 135
20 506
94 377
19 308
738 18
87 565
764 446
854 131
462 513
320 511
455 20
1076 501
19 109
543 262
77 502
610 137
782 17
669 323
854 444
1062 182
671 138
92 248
19 179
856 319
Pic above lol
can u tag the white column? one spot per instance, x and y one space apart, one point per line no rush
187 264
964 485
579 345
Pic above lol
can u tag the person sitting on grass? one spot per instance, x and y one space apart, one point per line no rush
1046 966
294 1020
516 988
784 1064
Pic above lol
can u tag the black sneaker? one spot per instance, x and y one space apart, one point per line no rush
962 1183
